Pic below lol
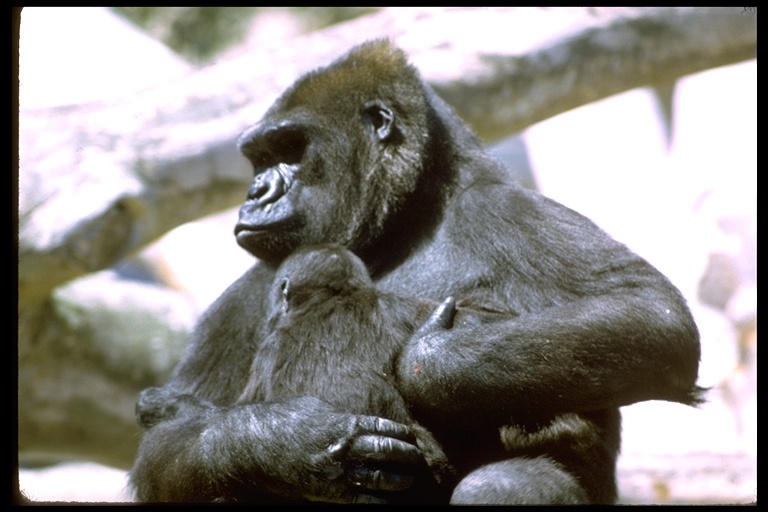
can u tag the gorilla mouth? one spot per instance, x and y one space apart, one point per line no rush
250 232
239 228
253 240
270 242
245 228
252 237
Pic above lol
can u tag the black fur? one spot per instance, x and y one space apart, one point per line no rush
363 154
332 336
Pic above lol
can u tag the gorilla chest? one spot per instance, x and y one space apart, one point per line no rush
434 273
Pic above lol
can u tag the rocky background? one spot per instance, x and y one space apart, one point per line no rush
669 170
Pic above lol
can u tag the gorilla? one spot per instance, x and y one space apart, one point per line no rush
331 335
363 154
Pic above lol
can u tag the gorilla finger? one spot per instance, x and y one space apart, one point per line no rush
385 428
380 480
387 449
441 318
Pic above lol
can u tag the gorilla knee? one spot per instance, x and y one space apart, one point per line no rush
520 481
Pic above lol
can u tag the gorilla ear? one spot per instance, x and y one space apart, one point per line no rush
381 118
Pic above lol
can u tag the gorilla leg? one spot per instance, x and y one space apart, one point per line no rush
520 481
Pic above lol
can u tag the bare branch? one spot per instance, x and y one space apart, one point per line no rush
101 180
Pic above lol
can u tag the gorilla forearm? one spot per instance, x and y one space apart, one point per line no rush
293 450
201 457
591 354
172 464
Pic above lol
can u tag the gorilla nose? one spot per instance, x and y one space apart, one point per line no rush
270 185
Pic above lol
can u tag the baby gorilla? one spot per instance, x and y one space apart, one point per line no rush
332 335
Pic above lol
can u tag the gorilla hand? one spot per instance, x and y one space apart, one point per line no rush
440 319
417 365
293 450
302 449
426 340
344 458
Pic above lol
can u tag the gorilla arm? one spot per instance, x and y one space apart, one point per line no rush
591 326
545 363
246 452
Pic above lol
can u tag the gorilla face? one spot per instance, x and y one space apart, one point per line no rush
273 219
332 160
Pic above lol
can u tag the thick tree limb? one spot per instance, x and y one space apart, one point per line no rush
101 180
83 358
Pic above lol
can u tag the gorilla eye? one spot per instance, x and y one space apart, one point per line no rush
278 146
285 288
288 147
381 118
260 161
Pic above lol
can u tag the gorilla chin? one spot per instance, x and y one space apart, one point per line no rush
251 239
269 231
270 243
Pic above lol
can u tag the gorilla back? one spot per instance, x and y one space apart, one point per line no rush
364 154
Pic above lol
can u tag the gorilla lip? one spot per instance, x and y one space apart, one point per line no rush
248 238
250 234
244 230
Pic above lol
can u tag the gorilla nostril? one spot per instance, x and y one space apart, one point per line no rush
267 187
261 190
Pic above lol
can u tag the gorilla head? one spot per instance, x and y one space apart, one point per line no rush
334 159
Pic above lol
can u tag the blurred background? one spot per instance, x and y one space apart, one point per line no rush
670 171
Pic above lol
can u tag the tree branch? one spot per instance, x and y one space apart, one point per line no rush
101 180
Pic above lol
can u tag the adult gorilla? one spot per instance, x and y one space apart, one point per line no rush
364 154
